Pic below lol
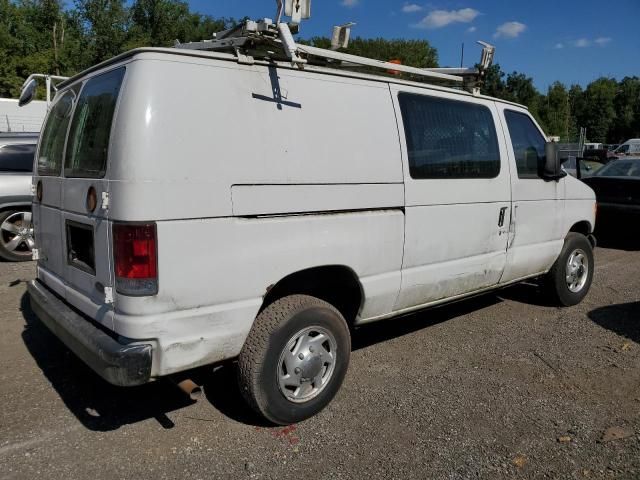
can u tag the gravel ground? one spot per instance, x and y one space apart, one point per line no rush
501 386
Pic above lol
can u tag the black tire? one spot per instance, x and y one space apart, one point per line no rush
556 279
20 254
271 333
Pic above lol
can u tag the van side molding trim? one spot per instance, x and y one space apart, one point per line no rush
255 200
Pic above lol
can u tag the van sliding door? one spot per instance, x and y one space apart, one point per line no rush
458 198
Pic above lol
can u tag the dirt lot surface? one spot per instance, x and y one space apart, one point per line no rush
501 386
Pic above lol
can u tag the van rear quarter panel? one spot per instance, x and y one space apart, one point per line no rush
189 129
191 133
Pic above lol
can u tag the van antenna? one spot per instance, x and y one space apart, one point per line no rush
268 41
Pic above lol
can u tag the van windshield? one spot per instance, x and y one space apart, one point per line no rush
88 143
620 168
622 149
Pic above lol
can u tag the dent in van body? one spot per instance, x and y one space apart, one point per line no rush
215 261
217 289
537 236
454 278
190 338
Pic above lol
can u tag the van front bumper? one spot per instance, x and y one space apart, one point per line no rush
119 364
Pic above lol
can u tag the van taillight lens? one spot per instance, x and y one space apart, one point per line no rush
135 255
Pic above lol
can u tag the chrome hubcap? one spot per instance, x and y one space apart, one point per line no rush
306 364
16 233
577 270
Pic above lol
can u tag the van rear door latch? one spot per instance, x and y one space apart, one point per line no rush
105 201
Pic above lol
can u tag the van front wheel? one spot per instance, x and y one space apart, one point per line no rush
569 279
294 359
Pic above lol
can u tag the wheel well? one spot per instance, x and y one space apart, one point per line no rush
5 208
335 284
583 227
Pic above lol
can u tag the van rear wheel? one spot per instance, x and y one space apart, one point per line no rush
570 278
294 359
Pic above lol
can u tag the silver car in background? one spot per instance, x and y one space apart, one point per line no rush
16 166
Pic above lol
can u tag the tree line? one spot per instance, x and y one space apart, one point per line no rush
51 37
607 108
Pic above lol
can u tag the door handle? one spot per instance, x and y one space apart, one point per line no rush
501 216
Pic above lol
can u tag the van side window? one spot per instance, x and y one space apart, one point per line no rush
449 138
17 158
54 135
91 126
528 144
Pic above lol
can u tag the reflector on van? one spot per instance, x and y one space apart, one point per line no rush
135 258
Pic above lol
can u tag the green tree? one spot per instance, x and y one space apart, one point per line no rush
520 89
627 107
35 36
50 36
599 111
105 25
556 112
516 88
493 83
160 22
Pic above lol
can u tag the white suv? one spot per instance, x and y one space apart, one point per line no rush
16 164
196 207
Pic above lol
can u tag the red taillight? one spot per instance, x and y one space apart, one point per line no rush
135 258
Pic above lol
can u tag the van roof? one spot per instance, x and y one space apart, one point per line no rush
311 68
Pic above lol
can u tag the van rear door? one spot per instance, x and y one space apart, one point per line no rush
73 229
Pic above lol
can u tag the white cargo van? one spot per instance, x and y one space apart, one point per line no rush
630 147
194 207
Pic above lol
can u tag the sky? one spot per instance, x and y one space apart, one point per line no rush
573 41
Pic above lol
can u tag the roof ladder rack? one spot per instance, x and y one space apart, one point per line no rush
273 41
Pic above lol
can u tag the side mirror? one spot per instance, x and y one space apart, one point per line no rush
28 92
552 165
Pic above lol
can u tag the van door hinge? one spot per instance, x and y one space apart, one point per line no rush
105 201
512 226
108 295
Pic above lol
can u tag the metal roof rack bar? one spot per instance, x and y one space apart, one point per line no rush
266 40
370 62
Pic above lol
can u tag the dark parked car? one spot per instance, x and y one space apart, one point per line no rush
617 187
16 165
598 154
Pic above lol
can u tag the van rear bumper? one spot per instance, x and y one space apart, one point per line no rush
118 364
